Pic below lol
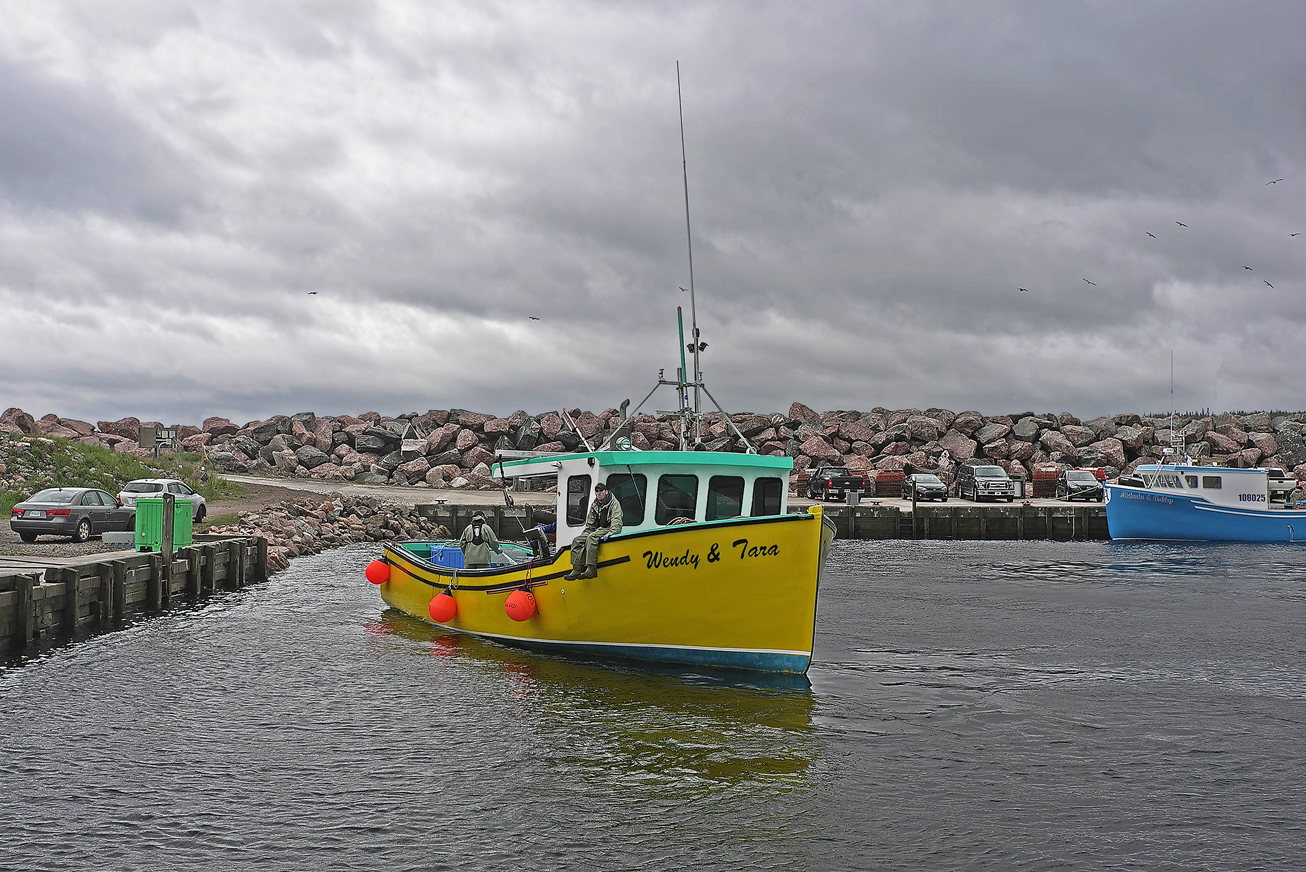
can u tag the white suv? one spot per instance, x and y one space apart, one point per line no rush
154 488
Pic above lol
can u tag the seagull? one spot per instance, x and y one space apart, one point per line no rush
1275 182
1181 224
1022 289
1267 283
1153 235
1294 234
532 317
1094 284
312 293
685 289
1247 267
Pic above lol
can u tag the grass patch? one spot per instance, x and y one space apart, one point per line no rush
53 462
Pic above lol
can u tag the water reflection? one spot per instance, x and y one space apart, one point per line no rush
691 730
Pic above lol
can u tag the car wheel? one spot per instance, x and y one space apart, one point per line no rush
943 499
1011 499
199 516
27 537
83 531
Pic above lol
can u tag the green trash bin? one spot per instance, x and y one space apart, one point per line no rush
149 524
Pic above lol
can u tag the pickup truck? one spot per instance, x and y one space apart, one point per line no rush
832 481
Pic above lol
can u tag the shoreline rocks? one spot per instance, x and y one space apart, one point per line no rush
455 448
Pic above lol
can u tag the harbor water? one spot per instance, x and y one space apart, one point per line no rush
972 705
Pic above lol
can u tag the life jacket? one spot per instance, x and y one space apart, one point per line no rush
603 512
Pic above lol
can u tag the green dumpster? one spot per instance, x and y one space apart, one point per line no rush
149 524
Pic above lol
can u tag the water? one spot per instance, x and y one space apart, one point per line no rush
973 705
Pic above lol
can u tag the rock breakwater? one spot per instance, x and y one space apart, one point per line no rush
307 526
454 448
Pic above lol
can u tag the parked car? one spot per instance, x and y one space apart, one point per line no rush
1079 484
79 512
985 482
828 482
154 488
928 487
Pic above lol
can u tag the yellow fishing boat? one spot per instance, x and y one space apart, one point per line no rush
710 568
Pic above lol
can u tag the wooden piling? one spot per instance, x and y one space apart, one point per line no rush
119 569
71 599
26 617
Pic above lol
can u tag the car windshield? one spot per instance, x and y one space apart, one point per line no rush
142 487
1081 476
989 472
926 479
835 470
54 495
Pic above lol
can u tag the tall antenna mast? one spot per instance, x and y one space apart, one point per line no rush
689 241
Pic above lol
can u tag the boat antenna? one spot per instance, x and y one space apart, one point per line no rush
694 343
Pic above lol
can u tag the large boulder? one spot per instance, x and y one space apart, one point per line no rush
818 448
1266 443
1258 422
127 428
990 433
1057 444
310 456
1026 430
924 429
1221 444
1104 452
998 449
1078 434
958 445
415 470
799 412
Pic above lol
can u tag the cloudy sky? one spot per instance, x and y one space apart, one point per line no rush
245 207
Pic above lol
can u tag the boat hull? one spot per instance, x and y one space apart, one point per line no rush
736 594
1135 513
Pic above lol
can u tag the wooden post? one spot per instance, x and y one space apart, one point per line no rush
193 573
119 590
165 546
242 550
26 611
154 582
261 559
104 610
71 599
208 580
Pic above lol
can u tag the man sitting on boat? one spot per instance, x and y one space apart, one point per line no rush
477 542
603 520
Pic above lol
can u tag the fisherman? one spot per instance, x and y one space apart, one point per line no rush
477 541
602 522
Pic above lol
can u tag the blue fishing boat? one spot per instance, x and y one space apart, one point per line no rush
1184 501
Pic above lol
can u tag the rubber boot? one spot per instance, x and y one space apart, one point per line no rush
574 574
591 571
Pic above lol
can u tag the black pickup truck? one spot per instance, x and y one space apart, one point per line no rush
826 482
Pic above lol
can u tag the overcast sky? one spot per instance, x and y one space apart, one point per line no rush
252 207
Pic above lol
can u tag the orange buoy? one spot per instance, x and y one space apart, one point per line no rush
378 572
520 605
442 608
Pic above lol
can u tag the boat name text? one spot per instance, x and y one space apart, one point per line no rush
756 550
657 560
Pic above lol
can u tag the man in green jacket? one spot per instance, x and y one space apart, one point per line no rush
602 522
477 541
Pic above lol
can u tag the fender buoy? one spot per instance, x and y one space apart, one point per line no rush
442 608
378 572
520 605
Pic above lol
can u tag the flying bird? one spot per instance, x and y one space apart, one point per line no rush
1267 283
1181 224
1275 182
685 289
1294 234
1022 289
532 317
1247 267
1094 284
312 293
1153 235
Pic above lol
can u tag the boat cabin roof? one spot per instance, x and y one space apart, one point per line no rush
659 488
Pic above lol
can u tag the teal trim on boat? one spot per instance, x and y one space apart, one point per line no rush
663 458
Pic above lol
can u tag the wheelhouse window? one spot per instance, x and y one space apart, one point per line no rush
629 491
766 496
1190 480
677 497
1211 481
725 497
578 499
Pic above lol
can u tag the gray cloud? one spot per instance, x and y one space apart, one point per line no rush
870 185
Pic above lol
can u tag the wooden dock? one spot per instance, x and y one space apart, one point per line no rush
882 519
102 591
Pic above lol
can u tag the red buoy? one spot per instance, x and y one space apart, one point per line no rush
378 572
442 608
520 605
